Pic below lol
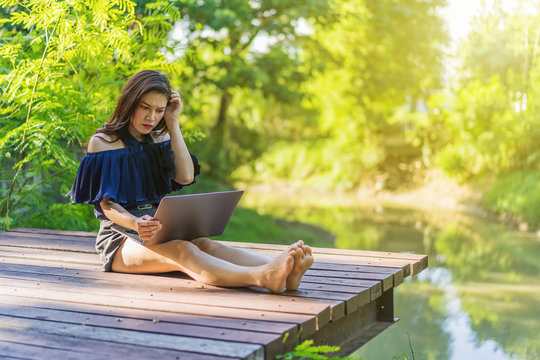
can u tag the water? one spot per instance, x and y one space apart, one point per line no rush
479 298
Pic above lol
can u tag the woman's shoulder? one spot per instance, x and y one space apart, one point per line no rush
103 142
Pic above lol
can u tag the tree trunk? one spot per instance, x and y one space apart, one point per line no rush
218 153
222 115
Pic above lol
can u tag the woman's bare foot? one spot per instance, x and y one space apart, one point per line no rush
302 261
275 273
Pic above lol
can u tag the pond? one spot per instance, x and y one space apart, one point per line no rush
479 297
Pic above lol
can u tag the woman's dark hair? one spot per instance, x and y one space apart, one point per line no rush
139 84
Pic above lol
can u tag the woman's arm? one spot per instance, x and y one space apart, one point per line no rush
146 226
185 172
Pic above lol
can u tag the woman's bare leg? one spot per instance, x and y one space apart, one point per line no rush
187 257
232 254
303 258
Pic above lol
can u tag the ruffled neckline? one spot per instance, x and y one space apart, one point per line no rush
131 144
129 140
141 173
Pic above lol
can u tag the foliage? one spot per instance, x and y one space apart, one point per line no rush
243 65
483 128
404 356
379 58
306 350
56 89
516 195
319 93
485 124
66 216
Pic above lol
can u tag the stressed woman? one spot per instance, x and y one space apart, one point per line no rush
133 161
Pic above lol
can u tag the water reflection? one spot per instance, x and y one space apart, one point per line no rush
478 299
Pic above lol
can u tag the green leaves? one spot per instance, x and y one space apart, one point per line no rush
307 350
61 60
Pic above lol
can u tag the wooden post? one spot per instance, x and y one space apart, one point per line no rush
385 306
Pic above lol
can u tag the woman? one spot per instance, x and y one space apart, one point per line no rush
134 160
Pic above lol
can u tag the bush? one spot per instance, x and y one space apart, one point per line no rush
518 194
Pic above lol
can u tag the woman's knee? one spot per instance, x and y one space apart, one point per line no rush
181 249
132 257
205 244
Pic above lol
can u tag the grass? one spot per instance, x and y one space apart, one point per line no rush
247 225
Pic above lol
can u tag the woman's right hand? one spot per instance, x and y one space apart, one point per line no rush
148 227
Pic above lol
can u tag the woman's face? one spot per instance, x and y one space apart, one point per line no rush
149 112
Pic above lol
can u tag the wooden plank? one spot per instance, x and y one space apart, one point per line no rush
271 327
417 262
338 310
404 265
47 263
155 282
10 350
272 342
331 299
181 294
79 246
308 323
335 251
11 308
144 282
319 265
374 286
191 293
410 263
361 295
53 232
398 276
386 280
41 242
31 345
132 337
275 337
58 256
352 301
91 258
348 252
396 273
149 282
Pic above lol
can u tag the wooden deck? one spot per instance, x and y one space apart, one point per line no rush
55 303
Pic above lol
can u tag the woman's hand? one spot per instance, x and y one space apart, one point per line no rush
173 110
147 227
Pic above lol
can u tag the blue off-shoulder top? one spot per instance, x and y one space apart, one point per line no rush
141 173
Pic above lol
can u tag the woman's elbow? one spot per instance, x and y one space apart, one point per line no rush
185 179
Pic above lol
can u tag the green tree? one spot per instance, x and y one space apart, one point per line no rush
243 60
485 124
371 70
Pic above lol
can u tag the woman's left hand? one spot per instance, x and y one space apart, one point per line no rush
173 110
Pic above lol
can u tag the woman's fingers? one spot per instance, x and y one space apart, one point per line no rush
148 227
175 99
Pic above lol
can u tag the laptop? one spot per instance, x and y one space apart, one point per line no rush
187 217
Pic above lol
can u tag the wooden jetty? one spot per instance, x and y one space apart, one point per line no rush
55 303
